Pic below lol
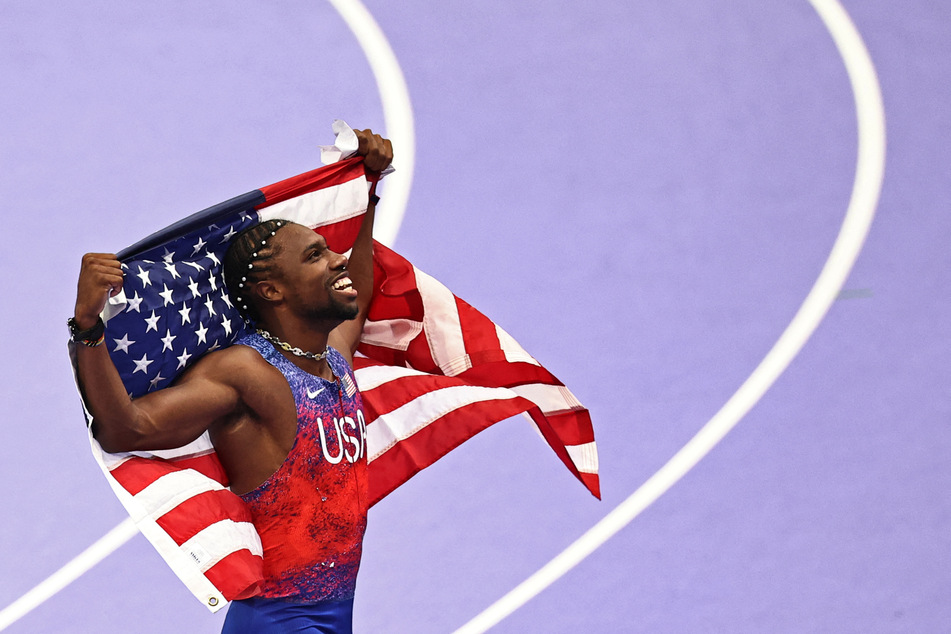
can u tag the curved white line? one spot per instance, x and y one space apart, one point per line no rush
398 118
869 173
397 114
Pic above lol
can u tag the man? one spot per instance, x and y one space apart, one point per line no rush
281 408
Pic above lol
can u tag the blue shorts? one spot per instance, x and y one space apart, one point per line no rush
267 616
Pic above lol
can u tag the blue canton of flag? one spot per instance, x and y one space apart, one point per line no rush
174 306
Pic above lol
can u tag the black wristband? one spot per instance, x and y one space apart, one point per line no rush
91 337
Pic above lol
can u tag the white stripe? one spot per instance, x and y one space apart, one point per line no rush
403 422
549 398
322 207
172 489
514 353
395 334
441 325
585 457
219 540
374 376
869 174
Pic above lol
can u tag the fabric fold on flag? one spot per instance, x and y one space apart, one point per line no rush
432 369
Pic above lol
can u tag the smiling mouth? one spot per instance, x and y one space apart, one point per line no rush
343 284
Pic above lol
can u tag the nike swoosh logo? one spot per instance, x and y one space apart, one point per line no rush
314 394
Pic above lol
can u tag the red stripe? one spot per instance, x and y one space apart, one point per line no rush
327 176
573 428
409 456
206 464
401 390
201 511
341 235
237 576
137 473
494 371
478 331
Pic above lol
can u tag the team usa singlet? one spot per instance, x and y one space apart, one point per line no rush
311 513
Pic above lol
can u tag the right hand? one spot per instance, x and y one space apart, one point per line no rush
99 279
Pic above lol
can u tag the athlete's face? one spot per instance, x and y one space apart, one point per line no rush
314 279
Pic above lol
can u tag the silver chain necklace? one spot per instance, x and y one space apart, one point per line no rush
294 351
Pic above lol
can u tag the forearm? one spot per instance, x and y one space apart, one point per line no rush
117 422
361 261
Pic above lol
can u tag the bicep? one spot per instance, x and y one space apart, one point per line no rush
176 415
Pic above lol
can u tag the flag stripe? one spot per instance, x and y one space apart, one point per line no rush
188 518
395 334
441 322
213 543
401 423
433 441
328 176
585 457
238 574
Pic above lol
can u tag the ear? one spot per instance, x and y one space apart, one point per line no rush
268 291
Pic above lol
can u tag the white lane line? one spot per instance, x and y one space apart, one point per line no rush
398 117
397 114
870 169
82 562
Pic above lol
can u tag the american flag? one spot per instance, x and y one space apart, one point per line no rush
433 372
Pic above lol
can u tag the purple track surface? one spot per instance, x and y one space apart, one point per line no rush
641 193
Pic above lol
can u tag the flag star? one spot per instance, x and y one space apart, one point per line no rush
154 382
142 365
195 265
212 227
134 302
226 299
168 256
231 233
193 287
214 346
244 216
166 295
123 344
214 284
210 305
199 245
152 322
182 360
124 265
170 267
167 341
144 276
227 326
201 332
185 312
214 258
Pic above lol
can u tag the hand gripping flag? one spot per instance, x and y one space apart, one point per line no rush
433 372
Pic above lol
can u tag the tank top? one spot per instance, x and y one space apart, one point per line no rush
311 513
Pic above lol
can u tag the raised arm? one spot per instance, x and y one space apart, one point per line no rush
164 419
378 153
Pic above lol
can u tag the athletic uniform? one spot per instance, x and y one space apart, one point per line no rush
311 513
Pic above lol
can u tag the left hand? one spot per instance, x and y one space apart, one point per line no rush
377 151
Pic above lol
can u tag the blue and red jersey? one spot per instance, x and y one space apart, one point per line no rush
311 513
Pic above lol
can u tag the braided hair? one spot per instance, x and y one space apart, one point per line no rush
249 259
